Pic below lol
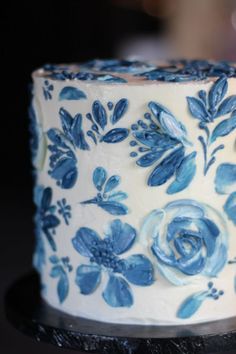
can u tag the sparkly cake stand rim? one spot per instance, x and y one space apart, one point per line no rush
28 313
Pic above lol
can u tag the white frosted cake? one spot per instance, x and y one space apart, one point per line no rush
135 188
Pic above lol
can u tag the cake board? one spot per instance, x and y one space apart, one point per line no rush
28 313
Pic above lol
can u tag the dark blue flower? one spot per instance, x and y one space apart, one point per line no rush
108 198
189 239
60 269
163 141
45 219
103 255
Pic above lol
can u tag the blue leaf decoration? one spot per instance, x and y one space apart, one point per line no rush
157 109
197 108
224 128
139 270
166 169
71 93
112 183
99 114
191 305
63 165
58 138
56 271
172 127
66 121
84 239
69 179
230 207
227 106
78 134
115 135
117 196
50 221
113 207
150 158
117 292
46 198
122 236
218 91
119 110
184 174
88 277
225 180
63 287
99 177
155 139
54 259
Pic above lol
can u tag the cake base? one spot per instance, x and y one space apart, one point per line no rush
32 316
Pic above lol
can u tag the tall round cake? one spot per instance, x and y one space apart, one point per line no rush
135 188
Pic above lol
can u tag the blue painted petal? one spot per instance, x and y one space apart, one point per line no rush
66 121
172 127
223 128
150 158
112 183
99 114
58 138
197 108
216 263
191 266
84 240
209 232
162 257
115 135
186 208
113 207
69 179
122 236
88 278
118 292
174 277
177 224
230 207
54 259
191 305
225 180
227 106
157 109
218 91
63 287
119 110
71 93
155 139
56 271
139 270
118 196
46 198
151 226
62 167
78 134
166 169
99 177
50 221
184 174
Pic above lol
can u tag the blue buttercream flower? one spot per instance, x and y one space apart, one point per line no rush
163 142
103 255
188 239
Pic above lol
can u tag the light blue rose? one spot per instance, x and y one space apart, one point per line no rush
188 239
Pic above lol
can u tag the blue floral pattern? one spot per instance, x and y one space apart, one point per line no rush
163 141
225 183
192 304
103 255
64 210
63 161
60 269
208 108
46 221
188 239
47 90
108 198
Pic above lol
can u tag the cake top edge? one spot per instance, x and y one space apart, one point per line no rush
118 71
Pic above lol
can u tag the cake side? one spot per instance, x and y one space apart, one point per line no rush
136 192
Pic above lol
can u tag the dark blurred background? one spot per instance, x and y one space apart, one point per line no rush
36 32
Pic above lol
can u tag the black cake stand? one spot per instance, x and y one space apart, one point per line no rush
31 315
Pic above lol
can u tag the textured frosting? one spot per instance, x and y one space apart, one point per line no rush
136 189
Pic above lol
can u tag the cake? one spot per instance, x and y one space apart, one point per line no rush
135 189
